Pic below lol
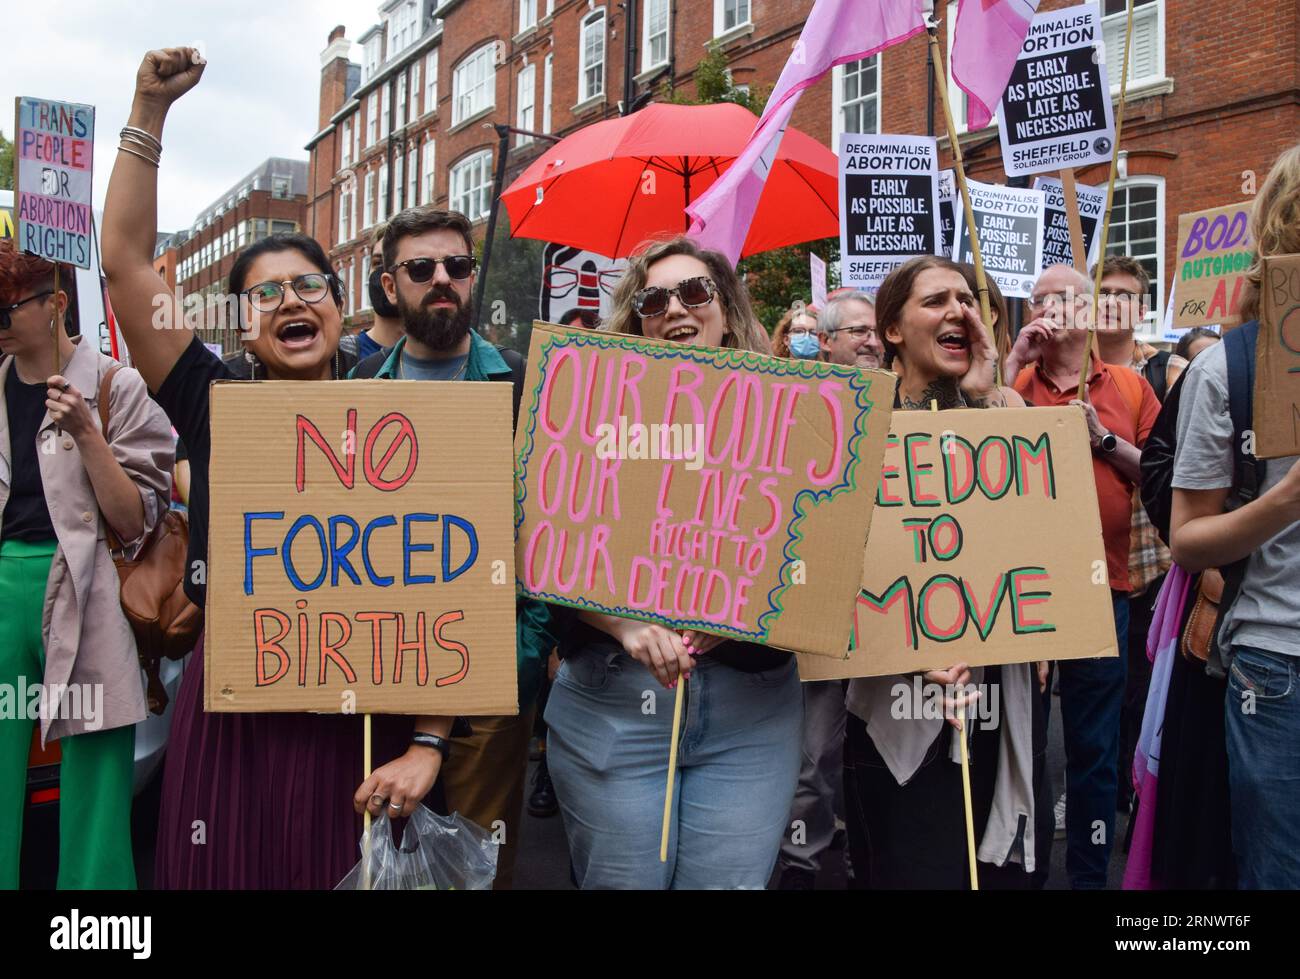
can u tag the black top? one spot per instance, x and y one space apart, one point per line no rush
184 397
576 636
26 516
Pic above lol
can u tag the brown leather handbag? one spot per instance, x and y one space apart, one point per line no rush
1198 634
165 622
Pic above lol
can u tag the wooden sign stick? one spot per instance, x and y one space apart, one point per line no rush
1072 218
981 281
1104 230
672 766
965 792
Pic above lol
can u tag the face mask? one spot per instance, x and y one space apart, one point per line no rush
805 346
379 298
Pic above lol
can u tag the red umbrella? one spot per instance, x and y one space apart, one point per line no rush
613 184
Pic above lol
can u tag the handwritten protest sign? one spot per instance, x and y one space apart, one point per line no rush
1056 227
985 548
1009 222
1055 111
54 146
1214 253
700 488
361 555
889 204
1277 360
948 207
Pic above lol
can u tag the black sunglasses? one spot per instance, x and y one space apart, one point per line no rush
422 269
5 321
693 292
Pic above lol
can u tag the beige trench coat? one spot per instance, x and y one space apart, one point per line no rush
87 637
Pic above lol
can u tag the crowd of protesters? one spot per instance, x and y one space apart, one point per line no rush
767 766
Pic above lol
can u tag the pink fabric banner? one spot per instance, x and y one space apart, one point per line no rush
985 43
836 31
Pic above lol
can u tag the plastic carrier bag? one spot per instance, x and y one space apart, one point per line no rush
437 853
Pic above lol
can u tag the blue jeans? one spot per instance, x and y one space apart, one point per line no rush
1262 727
1092 696
738 762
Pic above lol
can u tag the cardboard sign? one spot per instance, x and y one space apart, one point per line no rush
1277 360
985 548
1057 249
361 555
54 153
1214 253
696 487
817 271
1009 222
573 278
949 207
1055 111
889 205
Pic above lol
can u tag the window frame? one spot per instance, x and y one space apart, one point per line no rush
837 100
525 84
593 18
1115 57
461 109
430 81
548 91
531 7
720 18
428 170
647 38
456 193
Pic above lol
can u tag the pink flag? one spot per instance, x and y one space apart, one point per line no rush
836 31
985 43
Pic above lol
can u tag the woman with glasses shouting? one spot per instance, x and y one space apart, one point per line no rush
66 481
739 750
237 779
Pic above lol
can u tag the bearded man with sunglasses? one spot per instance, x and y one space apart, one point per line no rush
429 275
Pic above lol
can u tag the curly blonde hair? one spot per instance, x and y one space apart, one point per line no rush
781 335
743 329
1274 224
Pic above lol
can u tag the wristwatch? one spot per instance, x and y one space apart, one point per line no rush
432 741
1109 443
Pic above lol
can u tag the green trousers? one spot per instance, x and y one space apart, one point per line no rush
96 767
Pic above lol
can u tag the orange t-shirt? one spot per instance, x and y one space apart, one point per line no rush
1127 406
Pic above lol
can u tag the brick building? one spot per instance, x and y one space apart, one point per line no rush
272 198
1209 99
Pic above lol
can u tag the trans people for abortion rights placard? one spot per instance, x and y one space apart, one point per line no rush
1056 112
889 205
54 144
697 487
1057 249
1010 227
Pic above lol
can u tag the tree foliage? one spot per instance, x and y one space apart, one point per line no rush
6 163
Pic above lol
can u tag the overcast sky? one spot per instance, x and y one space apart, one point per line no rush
259 97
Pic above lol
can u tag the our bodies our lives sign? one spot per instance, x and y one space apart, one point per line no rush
361 555
699 488
1215 251
985 547
54 144
889 205
1057 249
1055 111
1276 416
1009 222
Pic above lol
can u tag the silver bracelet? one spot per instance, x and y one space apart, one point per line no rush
144 135
123 148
